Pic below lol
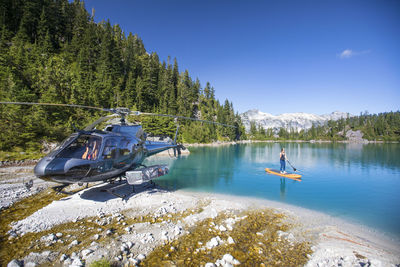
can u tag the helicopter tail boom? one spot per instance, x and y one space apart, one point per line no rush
157 147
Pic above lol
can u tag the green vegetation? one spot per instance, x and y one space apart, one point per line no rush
256 243
82 230
52 51
257 236
375 127
19 211
100 263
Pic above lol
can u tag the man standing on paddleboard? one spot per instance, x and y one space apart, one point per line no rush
282 157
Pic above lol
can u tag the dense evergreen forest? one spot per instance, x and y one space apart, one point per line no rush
374 127
52 51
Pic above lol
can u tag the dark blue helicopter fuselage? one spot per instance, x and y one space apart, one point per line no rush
89 156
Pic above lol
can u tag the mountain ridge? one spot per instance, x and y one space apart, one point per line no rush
297 121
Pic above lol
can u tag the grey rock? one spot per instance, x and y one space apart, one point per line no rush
141 257
134 262
227 261
230 240
355 136
215 241
86 252
68 262
222 228
76 263
129 244
74 243
124 248
15 263
63 257
109 232
12 233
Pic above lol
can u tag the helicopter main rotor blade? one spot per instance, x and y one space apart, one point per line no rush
91 126
180 117
54 104
120 111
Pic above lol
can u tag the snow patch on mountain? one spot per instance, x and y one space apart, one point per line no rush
296 121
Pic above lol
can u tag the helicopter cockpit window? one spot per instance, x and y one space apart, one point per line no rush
84 147
66 141
110 148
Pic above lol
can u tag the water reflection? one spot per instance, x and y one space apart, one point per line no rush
207 167
283 188
203 168
360 181
339 154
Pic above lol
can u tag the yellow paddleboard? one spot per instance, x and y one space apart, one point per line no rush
293 176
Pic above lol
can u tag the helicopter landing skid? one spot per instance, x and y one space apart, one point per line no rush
116 187
112 190
59 188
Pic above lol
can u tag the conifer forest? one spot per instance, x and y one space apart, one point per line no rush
52 51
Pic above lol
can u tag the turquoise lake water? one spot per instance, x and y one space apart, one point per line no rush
356 182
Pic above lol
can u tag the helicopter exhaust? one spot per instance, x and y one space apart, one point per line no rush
140 176
147 174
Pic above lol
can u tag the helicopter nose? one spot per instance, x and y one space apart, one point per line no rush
40 168
47 168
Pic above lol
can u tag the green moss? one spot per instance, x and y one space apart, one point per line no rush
19 211
82 230
255 234
256 242
100 263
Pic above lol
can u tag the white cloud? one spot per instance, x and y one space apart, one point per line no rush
348 53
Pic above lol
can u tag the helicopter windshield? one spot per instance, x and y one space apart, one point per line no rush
84 147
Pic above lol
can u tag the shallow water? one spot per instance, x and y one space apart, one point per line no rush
356 182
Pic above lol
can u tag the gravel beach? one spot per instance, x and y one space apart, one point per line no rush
127 231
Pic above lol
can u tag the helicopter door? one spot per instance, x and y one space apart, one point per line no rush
124 155
109 154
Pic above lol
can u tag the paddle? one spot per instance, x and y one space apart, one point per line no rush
291 165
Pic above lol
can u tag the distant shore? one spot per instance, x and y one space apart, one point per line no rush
222 143
170 152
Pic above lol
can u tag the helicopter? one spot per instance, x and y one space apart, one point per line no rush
92 155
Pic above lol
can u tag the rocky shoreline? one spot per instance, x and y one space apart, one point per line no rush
155 227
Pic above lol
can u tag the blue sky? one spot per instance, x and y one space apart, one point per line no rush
276 56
